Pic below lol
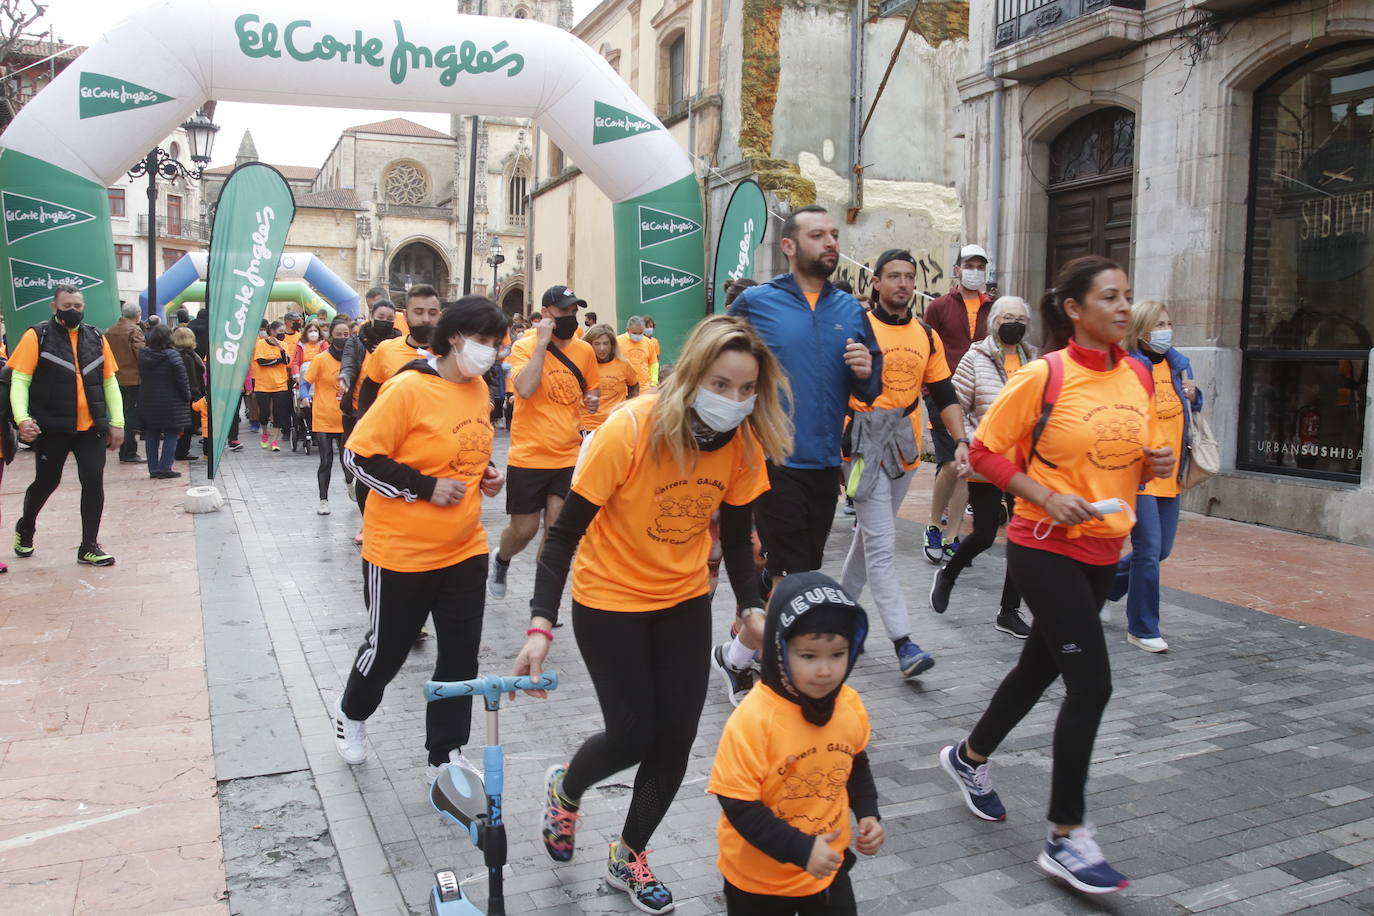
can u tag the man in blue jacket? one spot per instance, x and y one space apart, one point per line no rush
825 344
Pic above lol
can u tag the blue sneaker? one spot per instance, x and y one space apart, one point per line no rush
975 784
1077 860
629 871
935 545
913 660
951 549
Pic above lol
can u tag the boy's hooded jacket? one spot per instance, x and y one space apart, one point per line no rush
809 602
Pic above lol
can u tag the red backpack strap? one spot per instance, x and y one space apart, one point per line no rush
1054 382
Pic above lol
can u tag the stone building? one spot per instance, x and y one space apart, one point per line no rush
766 88
1224 150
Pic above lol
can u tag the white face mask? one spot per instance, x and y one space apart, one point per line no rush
635 337
312 336
970 278
475 358
721 413
648 332
1161 341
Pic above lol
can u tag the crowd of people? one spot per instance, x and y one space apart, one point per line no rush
643 479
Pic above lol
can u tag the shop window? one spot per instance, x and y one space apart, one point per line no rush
1309 295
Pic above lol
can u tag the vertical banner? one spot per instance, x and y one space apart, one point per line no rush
252 217
742 229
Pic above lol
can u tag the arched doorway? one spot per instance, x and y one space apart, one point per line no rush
418 262
1091 192
513 301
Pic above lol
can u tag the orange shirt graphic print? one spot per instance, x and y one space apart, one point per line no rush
683 510
1119 432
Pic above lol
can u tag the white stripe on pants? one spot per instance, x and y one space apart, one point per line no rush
873 553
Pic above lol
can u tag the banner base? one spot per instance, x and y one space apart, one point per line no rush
201 500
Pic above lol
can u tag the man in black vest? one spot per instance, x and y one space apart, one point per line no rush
65 399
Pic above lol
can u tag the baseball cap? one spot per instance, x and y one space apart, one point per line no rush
973 251
892 254
561 296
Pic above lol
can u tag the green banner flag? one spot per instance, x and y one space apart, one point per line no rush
252 217
741 232
102 95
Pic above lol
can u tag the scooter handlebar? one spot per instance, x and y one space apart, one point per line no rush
490 685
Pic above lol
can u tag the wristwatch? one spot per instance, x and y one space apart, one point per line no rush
963 440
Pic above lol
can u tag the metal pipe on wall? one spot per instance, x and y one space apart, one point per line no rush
856 114
994 240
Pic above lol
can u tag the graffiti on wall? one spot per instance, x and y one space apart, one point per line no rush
930 278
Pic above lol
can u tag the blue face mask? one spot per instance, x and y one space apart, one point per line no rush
1161 341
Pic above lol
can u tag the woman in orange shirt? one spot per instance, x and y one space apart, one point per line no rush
618 379
326 413
271 384
1081 463
640 505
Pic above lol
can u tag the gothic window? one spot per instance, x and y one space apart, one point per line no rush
1100 144
517 189
406 183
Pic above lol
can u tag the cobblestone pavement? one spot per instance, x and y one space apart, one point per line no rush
1231 775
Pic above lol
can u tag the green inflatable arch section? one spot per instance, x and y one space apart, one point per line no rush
297 291
149 74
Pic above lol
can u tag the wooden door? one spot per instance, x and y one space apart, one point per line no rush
1093 219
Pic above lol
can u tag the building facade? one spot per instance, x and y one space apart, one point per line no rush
1224 151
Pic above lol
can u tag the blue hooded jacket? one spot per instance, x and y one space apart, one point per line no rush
810 345
1180 367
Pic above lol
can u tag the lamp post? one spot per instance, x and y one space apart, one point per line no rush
495 259
200 133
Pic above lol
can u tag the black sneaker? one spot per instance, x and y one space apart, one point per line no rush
974 784
737 683
23 544
496 576
940 588
1013 624
235 446
93 555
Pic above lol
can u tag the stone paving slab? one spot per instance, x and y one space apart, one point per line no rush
1230 775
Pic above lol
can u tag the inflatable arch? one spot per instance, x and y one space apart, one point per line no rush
295 293
185 280
150 73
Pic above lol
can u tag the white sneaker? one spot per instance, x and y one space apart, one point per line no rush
324 507
455 759
1105 615
1148 643
350 736
496 575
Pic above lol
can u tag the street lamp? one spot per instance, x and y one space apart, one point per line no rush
495 259
200 133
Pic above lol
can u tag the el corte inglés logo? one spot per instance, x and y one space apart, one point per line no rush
659 226
30 216
610 123
34 283
102 95
658 281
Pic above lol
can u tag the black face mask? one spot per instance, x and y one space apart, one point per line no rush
421 333
565 326
336 347
382 327
70 317
281 335
1011 332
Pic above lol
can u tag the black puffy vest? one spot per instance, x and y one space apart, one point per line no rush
52 397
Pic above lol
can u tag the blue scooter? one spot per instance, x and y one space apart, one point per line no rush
475 804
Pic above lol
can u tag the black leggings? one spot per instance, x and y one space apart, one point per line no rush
397 605
650 671
326 443
274 407
835 900
50 455
1064 597
349 421
987 502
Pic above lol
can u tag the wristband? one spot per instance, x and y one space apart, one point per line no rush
541 631
747 612
963 440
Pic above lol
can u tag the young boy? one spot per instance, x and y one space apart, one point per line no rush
791 763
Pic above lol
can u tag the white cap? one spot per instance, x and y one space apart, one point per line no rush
972 251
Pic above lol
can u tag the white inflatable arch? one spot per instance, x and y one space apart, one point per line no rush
149 74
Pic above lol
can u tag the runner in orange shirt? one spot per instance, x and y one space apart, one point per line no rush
272 384
640 351
425 449
326 417
638 517
618 380
557 383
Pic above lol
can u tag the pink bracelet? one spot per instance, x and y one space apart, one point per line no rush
541 631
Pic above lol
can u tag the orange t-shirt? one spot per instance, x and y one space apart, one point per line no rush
647 547
616 378
908 363
1169 408
385 361
1011 362
769 753
812 298
323 373
641 355
439 428
290 340
1099 425
309 349
972 306
25 360
269 378
546 429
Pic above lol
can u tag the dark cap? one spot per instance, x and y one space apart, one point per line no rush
892 254
561 296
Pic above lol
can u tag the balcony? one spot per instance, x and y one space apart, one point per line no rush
193 230
1036 38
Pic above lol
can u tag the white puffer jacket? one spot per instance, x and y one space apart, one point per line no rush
980 376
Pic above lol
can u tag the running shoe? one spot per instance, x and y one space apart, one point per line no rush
350 736
975 784
629 871
23 544
560 817
264 440
324 507
1013 624
913 660
737 683
455 759
92 555
276 446
950 549
935 545
1078 860
496 575
236 446
1148 643
848 505
3 569
940 588
253 427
